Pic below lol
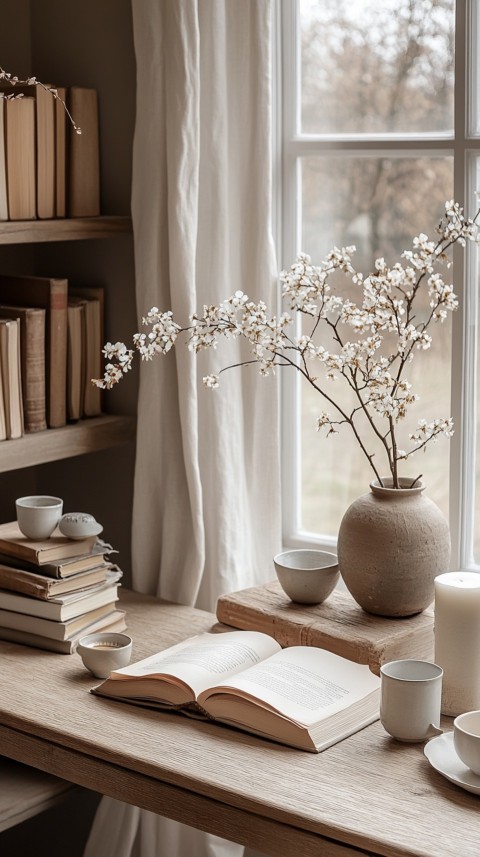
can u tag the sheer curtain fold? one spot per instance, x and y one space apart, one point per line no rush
206 516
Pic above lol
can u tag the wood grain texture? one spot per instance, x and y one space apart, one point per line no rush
368 793
70 229
85 436
338 625
25 792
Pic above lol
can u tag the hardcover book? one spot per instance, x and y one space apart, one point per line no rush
62 608
11 376
114 621
42 140
32 359
14 543
302 696
60 153
92 298
84 158
20 158
338 624
63 567
75 358
53 629
49 294
37 585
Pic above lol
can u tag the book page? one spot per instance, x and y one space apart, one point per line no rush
205 659
303 683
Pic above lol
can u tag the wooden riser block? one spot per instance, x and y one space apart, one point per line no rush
338 625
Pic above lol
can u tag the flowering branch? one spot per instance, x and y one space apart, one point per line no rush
360 332
32 81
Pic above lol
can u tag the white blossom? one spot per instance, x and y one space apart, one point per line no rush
364 338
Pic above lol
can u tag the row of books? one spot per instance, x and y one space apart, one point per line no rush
47 169
51 336
53 592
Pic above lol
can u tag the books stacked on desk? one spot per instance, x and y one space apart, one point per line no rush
55 591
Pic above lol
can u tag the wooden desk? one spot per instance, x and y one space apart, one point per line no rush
366 795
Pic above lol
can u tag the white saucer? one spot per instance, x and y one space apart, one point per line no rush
442 756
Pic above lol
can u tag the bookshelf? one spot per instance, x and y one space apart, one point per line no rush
86 435
69 229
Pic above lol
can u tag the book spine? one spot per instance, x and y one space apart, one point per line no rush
20 158
60 152
84 158
45 152
57 354
33 371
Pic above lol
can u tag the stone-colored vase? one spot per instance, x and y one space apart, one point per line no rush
392 543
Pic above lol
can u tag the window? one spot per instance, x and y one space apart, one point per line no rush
380 126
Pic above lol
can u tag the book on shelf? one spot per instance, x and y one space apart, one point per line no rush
92 298
10 365
38 585
14 543
75 358
45 151
63 567
60 152
49 294
62 608
19 120
54 629
302 696
84 154
32 359
42 142
3 169
113 622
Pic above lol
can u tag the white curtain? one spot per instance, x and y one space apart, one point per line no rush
207 494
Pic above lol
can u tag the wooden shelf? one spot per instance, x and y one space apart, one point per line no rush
68 229
25 792
89 435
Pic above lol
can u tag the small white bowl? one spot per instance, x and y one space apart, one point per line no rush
79 525
307 576
102 653
466 739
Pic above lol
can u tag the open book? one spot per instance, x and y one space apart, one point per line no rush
301 696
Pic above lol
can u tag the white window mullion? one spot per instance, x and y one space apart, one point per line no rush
464 328
291 453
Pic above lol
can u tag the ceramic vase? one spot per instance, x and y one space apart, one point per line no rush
392 543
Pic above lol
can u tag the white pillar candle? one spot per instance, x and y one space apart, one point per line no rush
457 639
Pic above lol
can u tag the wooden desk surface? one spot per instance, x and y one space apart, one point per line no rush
366 795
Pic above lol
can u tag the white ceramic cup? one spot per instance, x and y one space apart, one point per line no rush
466 739
307 576
410 699
38 515
104 652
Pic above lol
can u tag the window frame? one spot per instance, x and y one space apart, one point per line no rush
464 145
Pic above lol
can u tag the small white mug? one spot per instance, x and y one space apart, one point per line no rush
410 699
38 515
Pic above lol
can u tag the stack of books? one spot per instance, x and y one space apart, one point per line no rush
55 591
